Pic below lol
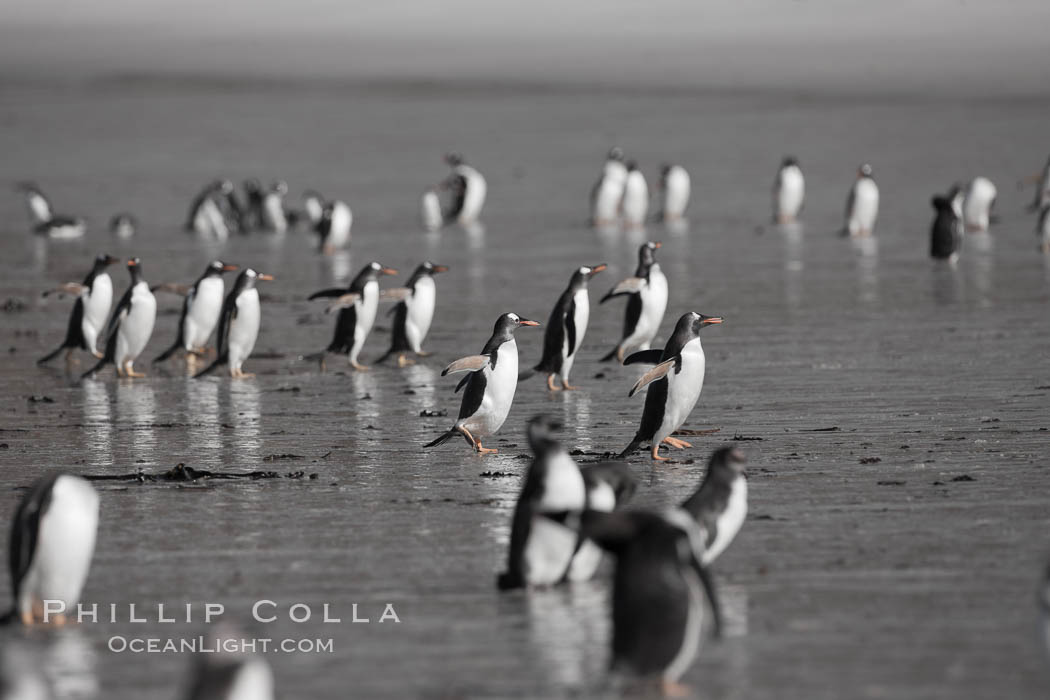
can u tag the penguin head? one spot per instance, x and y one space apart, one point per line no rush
134 269
248 278
252 185
510 322
864 170
224 186
217 267
616 153
728 460
942 203
789 161
646 251
454 159
103 260
692 322
279 187
28 187
540 430
584 273
374 270
309 195
632 166
429 268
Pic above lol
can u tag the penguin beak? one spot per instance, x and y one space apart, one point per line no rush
229 268
388 271
265 278
132 262
596 269
527 322
440 268
712 319
657 244
110 260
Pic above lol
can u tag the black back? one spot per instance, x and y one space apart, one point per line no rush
26 529
944 239
709 501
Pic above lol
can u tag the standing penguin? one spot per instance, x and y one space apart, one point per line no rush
357 306
468 188
607 193
430 210
977 206
720 504
228 672
45 221
130 326
1043 229
489 386
413 313
946 231
658 588
253 211
541 549
565 329
675 188
676 381
273 214
123 225
334 226
51 546
94 297
239 325
647 301
635 197
789 191
609 485
200 311
206 215
862 205
1042 188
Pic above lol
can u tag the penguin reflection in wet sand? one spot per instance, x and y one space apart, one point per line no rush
658 589
51 546
357 306
239 325
541 547
647 301
565 329
862 205
200 310
676 382
789 191
413 313
946 231
609 485
490 385
94 297
130 326
720 504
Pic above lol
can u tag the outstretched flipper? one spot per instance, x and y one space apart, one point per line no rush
647 357
344 301
70 288
327 293
395 294
631 285
467 364
172 288
652 375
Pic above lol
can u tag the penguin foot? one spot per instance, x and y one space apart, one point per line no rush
550 383
358 366
656 454
98 355
670 689
59 620
421 353
404 360
486 450
135 375
27 618
676 443
241 374
568 387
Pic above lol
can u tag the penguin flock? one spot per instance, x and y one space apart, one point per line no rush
568 516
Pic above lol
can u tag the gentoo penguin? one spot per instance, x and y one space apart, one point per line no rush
977 206
413 313
228 673
357 306
956 195
658 588
492 379
430 210
1042 191
635 197
1043 229
94 297
608 191
206 215
45 221
676 380
789 191
862 205
52 542
253 210
123 225
646 303
200 311
609 485
541 549
274 217
313 205
239 324
334 227
130 326
720 504
945 238
468 191
566 327
674 188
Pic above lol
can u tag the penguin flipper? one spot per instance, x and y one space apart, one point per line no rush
344 301
631 285
652 375
467 364
170 351
648 357
327 293
51 355
631 448
442 439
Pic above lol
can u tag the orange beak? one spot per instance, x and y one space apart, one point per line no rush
132 263
388 271
229 268
657 244
266 278
527 322
597 268
713 319
440 268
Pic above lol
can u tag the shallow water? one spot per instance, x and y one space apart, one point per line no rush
885 579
